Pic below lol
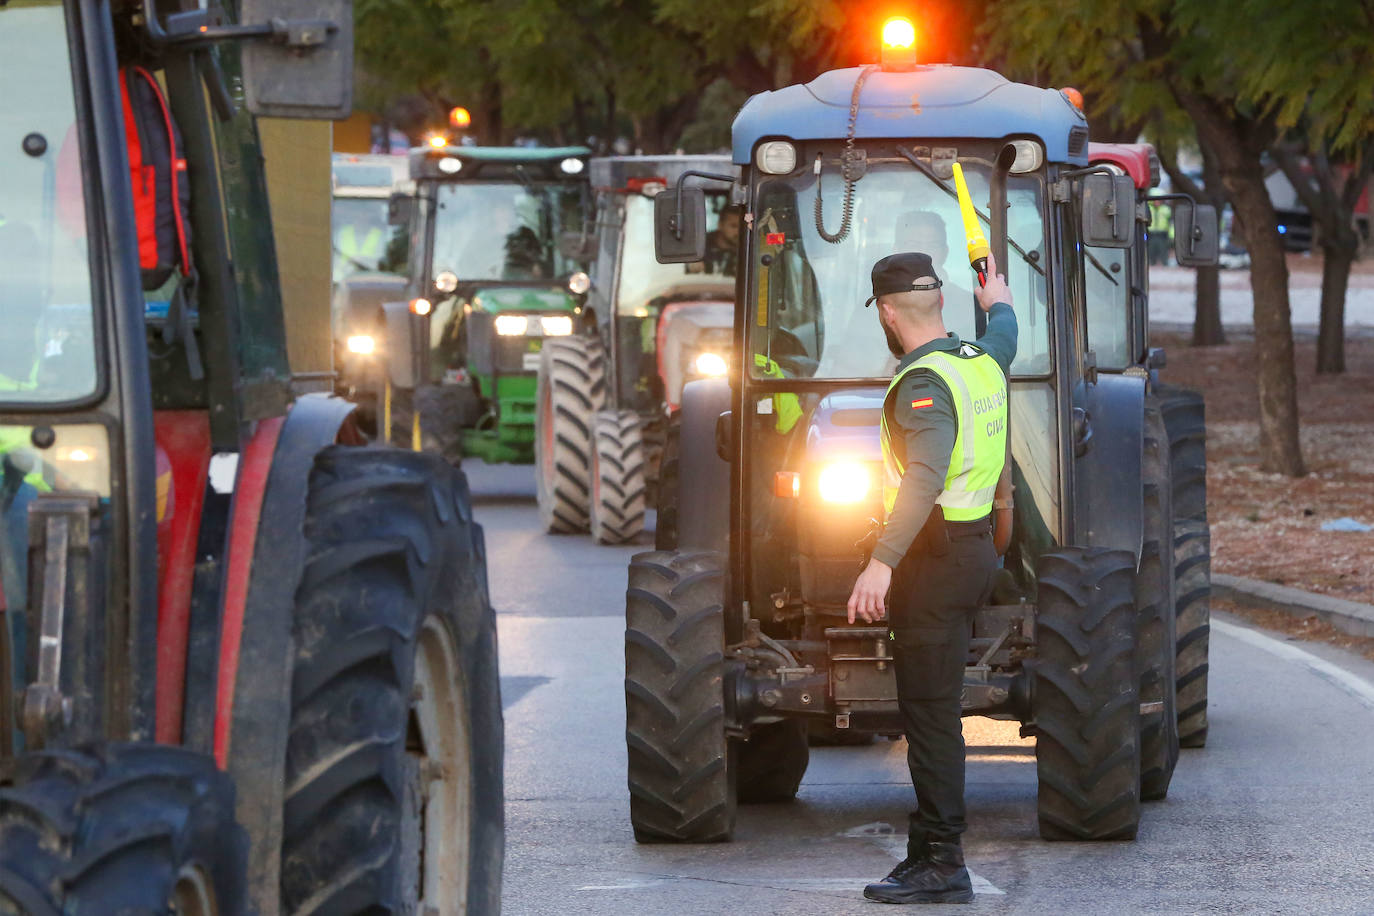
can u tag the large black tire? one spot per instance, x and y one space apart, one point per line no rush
1186 419
1085 697
1155 638
617 506
570 390
680 780
665 522
771 764
394 764
120 828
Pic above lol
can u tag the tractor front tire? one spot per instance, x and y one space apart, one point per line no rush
680 778
1085 696
617 505
771 764
394 761
1185 417
1155 636
570 390
120 828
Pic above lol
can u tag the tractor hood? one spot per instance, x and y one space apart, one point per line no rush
845 426
932 101
496 299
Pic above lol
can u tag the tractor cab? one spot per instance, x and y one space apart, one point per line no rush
489 284
778 481
370 254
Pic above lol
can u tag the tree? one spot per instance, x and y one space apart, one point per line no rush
1144 56
1207 328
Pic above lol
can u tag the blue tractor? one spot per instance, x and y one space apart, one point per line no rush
736 634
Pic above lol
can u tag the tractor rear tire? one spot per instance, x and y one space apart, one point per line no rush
617 505
665 523
680 779
1156 645
771 764
1186 418
1085 697
394 762
571 389
120 828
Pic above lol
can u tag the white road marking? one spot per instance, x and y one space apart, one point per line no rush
1351 683
887 837
623 886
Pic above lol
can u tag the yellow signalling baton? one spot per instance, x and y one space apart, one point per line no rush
978 249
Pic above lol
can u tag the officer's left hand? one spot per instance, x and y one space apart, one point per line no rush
870 591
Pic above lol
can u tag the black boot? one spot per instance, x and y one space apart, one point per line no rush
938 878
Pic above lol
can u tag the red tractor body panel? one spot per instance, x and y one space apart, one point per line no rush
1136 159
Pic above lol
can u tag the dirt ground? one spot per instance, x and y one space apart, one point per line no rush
1266 526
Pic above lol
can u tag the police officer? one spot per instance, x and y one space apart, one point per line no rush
944 429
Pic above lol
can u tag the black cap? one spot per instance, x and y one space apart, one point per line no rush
900 273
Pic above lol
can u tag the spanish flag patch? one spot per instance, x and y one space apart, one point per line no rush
923 402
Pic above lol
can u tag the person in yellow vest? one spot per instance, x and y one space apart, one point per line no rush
943 428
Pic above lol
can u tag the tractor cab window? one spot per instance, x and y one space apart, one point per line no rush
646 286
47 348
504 231
1107 288
806 303
363 240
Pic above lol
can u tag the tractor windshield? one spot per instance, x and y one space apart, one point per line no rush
645 285
47 347
808 294
499 231
364 242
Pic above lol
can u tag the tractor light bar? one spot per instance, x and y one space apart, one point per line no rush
899 44
511 325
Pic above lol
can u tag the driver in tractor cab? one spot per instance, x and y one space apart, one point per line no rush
924 230
722 245
360 244
943 429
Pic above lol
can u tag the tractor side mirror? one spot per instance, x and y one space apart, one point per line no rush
401 350
1108 210
1196 234
579 247
302 66
399 208
680 225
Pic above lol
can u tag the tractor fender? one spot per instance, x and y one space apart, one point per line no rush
1107 439
703 476
254 707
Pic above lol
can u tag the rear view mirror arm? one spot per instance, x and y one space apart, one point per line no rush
712 176
202 27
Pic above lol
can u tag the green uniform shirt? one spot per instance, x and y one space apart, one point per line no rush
928 433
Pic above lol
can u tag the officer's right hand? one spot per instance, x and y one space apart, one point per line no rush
995 289
866 601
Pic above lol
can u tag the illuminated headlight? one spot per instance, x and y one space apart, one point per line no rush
845 482
1029 156
711 364
450 166
555 325
579 283
776 157
361 343
511 325
571 166
446 281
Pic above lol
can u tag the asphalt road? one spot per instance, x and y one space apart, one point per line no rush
1275 815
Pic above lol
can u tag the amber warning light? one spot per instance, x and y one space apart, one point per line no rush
899 44
459 118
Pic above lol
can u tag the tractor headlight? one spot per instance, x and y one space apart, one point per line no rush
710 364
511 325
845 482
362 344
556 325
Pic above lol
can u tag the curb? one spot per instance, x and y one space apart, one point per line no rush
1350 617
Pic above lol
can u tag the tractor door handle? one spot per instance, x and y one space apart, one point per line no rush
1082 431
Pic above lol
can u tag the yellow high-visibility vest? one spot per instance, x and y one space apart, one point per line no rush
786 406
980 443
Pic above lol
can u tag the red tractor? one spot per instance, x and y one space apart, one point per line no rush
248 663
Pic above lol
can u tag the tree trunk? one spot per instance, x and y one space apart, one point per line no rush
1338 253
1207 329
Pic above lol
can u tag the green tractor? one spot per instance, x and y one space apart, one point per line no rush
489 285
736 636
